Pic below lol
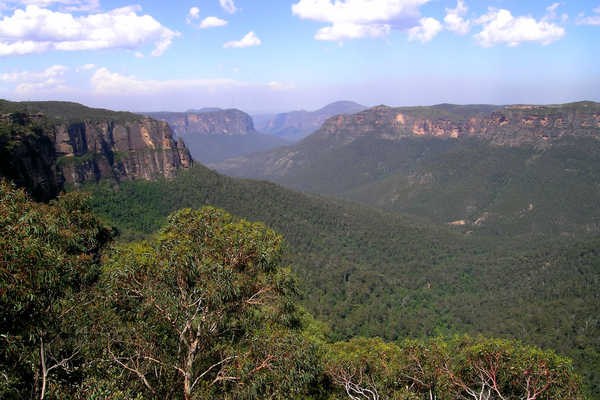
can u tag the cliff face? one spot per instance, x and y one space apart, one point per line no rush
222 122
355 137
507 126
43 151
138 149
27 156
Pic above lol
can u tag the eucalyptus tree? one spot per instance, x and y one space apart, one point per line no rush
49 258
204 310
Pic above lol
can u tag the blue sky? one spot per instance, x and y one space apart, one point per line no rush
266 56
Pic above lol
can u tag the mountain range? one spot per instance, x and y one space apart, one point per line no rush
476 167
295 125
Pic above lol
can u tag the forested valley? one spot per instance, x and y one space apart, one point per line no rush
154 277
204 309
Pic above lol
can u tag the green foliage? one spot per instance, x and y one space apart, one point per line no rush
458 368
375 274
48 257
204 310
497 190
66 111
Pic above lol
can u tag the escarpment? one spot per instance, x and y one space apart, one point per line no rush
137 149
213 122
44 150
514 125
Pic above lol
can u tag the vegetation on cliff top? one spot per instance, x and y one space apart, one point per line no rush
66 111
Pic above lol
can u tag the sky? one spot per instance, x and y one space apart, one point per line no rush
266 56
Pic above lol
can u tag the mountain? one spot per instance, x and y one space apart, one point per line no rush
295 125
207 122
203 110
214 135
45 145
503 169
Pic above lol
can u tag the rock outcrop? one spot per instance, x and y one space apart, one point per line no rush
44 150
512 126
136 149
515 125
27 155
220 122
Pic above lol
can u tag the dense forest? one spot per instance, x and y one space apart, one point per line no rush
369 273
205 309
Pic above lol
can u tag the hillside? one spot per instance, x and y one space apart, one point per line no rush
213 135
494 168
370 273
295 125
46 145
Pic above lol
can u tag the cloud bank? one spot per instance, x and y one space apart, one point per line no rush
500 27
353 19
37 30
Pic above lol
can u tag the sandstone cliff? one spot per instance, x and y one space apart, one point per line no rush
136 149
511 126
49 148
514 125
218 122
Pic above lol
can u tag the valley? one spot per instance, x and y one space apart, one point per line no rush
399 266
500 169
299 200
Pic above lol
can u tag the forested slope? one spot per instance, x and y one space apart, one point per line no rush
376 274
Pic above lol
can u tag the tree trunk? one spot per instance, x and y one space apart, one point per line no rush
44 372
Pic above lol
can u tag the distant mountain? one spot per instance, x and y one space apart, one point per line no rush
45 145
231 122
203 110
510 169
214 135
295 125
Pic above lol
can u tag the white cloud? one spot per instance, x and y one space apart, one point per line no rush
27 81
428 28
36 29
352 19
212 22
105 82
247 41
228 6
193 14
454 19
500 27
64 5
593 20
